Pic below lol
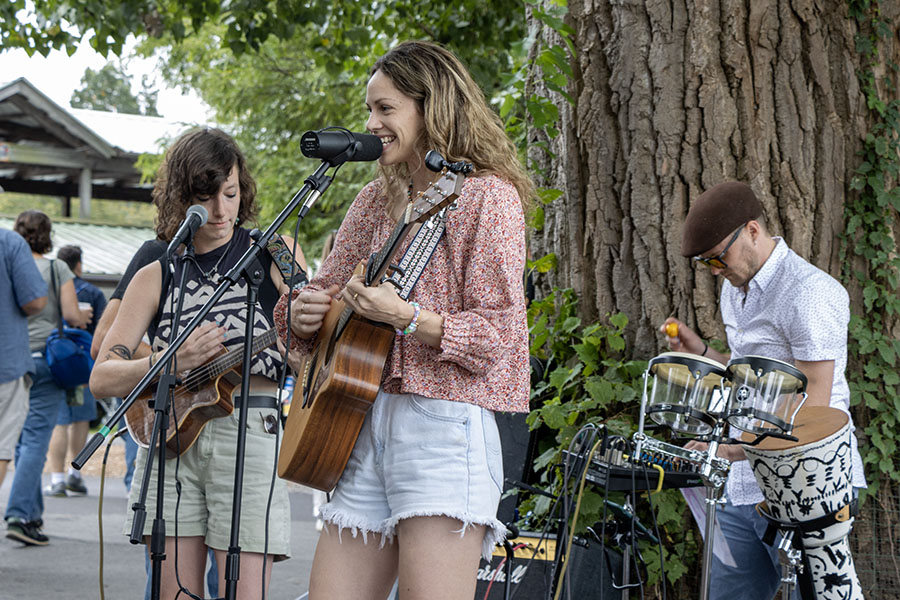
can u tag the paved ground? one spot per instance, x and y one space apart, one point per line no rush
71 566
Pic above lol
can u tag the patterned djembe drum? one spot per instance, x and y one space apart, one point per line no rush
808 479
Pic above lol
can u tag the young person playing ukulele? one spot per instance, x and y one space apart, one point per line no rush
419 496
205 167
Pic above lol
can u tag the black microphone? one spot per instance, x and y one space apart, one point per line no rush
195 218
337 145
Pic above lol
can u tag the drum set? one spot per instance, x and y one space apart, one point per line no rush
799 455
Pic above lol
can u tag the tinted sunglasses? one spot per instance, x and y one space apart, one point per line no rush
716 261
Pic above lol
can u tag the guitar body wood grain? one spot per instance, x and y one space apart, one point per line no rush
346 374
193 409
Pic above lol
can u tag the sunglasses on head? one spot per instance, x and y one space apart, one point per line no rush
716 261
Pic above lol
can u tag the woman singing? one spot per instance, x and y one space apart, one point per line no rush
419 497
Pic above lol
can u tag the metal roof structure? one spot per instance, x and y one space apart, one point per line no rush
49 150
106 249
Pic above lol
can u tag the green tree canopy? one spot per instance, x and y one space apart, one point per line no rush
267 96
109 88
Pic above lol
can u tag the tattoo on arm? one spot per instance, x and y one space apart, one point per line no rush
120 350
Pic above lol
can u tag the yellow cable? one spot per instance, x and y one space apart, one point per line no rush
562 573
662 474
100 521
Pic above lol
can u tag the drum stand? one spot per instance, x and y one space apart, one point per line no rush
791 563
714 472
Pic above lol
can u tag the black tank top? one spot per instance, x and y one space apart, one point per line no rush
202 279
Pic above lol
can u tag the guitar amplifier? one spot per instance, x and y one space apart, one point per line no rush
532 569
532 572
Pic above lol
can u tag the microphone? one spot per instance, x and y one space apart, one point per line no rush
195 218
338 145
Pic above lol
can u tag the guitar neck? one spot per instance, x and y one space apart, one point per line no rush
382 259
235 356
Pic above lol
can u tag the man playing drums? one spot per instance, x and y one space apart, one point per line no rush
777 305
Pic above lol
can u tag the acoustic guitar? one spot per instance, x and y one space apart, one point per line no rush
343 373
204 394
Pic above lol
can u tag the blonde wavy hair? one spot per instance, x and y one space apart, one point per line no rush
459 123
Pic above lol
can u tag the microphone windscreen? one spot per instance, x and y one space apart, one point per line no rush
196 209
370 147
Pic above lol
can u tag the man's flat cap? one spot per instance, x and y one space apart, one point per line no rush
716 213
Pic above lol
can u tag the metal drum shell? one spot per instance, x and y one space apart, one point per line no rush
683 392
765 393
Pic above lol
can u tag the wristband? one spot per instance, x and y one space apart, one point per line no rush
414 324
705 348
153 359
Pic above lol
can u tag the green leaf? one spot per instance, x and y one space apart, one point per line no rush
620 320
544 264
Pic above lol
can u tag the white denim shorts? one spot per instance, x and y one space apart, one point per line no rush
417 457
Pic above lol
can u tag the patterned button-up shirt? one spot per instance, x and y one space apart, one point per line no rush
791 311
474 281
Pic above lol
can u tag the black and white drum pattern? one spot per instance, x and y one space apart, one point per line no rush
833 572
807 482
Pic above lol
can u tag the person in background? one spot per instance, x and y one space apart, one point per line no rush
23 293
25 506
419 496
75 416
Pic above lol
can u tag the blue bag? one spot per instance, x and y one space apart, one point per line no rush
68 355
68 350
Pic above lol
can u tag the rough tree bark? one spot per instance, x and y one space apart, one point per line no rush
671 98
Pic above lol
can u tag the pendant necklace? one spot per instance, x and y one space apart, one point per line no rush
212 275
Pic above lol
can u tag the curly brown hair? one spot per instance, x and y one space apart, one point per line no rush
197 164
35 226
459 123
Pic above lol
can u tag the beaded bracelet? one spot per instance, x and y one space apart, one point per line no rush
414 324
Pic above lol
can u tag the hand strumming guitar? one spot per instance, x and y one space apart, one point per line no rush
308 311
204 343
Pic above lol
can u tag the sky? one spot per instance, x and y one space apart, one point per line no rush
58 75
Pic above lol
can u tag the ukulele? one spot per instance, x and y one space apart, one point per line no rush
343 372
204 394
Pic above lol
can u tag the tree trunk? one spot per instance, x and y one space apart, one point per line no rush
670 99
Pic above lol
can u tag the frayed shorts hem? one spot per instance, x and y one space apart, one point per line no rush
387 529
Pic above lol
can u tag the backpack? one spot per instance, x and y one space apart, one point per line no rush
68 350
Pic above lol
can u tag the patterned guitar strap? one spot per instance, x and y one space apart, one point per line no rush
416 257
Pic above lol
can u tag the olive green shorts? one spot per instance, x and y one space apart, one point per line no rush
206 473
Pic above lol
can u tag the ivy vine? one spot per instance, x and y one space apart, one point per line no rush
869 240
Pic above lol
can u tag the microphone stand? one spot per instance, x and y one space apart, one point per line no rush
314 186
162 406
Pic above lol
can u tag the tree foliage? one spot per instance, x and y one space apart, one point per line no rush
109 88
270 94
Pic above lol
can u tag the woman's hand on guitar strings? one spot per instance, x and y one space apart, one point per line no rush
379 303
308 311
201 346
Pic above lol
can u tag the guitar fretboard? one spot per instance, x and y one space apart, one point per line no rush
233 357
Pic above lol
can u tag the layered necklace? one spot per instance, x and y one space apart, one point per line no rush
212 275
